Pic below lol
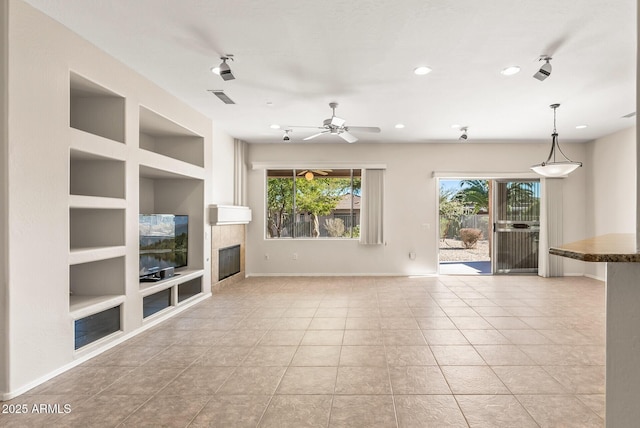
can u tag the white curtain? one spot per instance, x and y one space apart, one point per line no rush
550 226
239 172
372 207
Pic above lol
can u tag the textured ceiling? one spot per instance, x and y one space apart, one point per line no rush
299 55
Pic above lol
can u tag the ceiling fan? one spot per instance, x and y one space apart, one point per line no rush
309 173
335 126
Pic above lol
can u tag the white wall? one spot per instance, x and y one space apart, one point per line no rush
4 273
223 168
611 188
410 204
38 325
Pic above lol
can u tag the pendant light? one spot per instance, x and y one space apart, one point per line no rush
551 167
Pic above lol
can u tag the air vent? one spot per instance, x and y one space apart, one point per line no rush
221 95
627 116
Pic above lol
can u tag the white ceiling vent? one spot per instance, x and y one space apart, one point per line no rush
223 97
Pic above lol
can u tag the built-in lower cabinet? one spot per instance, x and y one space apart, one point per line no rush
97 326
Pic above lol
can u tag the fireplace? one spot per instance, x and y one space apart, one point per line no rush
228 261
227 255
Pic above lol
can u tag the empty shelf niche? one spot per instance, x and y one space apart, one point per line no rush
100 278
160 135
92 175
96 110
95 228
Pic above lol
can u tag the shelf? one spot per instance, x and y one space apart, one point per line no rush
96 202
95 109
154 165
83 306
85 145
148 288
93 254
91 174
229 214
90 228
163 136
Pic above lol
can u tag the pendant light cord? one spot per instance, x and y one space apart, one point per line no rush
554 141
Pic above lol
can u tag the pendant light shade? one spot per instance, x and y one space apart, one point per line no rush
551 167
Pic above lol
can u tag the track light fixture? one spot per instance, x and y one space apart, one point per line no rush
545 70
551 167
286 135
464 135
224 69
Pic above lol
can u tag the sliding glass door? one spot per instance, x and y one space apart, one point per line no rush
516 226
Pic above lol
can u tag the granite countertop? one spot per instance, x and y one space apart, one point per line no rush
616 247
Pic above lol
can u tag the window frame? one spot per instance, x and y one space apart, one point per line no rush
354 173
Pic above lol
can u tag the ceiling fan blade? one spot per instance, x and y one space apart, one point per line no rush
336 121
346 136
363 128
303 172
321 171
315 135
309 127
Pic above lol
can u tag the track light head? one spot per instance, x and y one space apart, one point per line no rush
286 135
545 70
225 70
464 135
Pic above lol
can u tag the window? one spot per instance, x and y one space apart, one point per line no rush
313 203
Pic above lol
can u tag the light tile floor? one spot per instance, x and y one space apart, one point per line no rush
478 351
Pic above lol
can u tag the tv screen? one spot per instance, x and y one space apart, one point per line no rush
163 243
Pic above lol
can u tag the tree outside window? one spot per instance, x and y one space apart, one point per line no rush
303 203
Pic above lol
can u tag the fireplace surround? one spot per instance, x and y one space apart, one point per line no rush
223 237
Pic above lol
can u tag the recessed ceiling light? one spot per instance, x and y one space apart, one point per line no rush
270 103
275 126
215 70
422 70
581 126
455 126
511 70
399 126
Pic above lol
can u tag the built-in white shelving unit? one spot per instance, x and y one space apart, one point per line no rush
94 144
171 175
170 161
97 210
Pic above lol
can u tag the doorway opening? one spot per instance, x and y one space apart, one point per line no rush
488 226
465 232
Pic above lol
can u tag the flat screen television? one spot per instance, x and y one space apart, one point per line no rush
163 243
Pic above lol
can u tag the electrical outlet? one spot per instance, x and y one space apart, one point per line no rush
295 256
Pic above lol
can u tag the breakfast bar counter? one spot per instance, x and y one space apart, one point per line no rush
622 259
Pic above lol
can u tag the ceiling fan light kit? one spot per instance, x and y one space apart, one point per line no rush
551 167
309 175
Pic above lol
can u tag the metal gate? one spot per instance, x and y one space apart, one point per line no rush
516 226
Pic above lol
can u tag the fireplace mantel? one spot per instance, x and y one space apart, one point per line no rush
220 215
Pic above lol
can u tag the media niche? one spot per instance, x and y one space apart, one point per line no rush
163 245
